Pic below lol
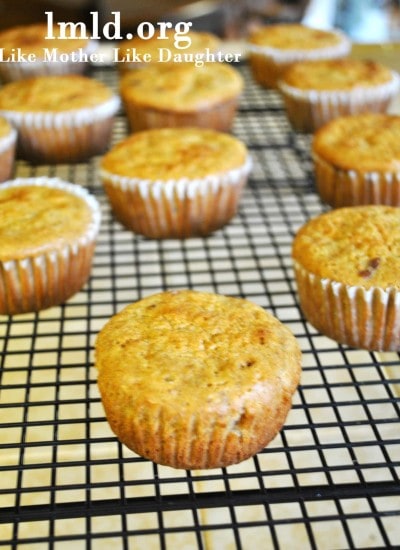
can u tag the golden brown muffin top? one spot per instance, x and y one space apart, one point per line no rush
357 245
181 87
31 39
294 36
37 219
336 74
174 153
53 93
5 127
365 143
191 351
200 41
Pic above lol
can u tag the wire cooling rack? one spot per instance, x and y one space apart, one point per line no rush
330 479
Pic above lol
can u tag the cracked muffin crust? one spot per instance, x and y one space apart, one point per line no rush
196 380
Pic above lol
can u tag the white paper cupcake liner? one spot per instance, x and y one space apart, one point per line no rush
339 187
308 110
352 315
285 56
36 282
8 141
7 154
56 120
176 208
65 136
200 441
18 70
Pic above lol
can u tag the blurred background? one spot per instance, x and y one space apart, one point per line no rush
364 20
216 16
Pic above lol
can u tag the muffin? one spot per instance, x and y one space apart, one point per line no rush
316 92
8 139
196 380
175 182
48 229
357 160
347 265
161 50
181 94
273 48
47 56
60 119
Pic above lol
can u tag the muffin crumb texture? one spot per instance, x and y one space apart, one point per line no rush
182 87
367 142
347 265
172 154
175 182
60 119
196 380
316 92
48 230
357 160
181 94
294 36
345 244
53 94
52 216
337 74
274 48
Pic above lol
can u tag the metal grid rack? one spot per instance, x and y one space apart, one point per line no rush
329 480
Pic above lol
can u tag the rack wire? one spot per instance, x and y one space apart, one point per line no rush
329 480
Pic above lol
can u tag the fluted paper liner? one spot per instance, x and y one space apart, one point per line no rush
7 154
352 315
176 208
339 187
65 136
218 116
308 110
46 279
201 439
197 442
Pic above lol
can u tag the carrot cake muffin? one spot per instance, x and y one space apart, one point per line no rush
273 48
357 160
48 229
175 182
316 92
65 118
8 139
27 52
196 380
181 94
164 50
347 265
